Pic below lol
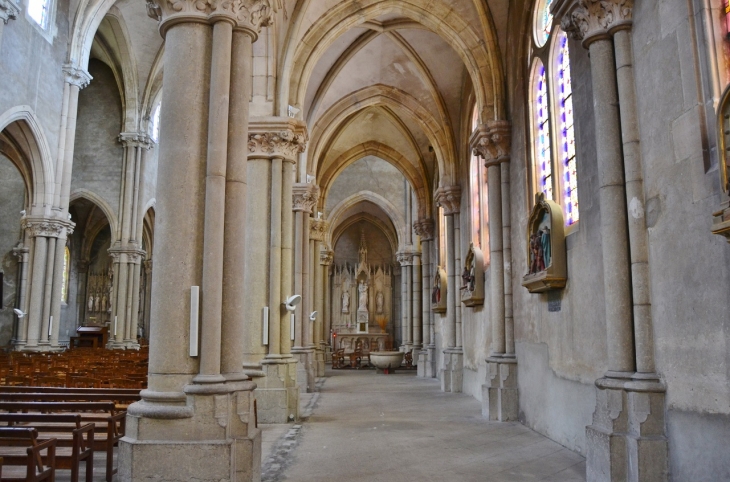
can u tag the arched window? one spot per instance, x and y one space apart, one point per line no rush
66 270
555 171
40 12
155 125
478 198
566 132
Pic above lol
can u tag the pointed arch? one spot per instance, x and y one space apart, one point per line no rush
100 202
338 216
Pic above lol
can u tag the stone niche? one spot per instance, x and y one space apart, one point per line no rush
438 294
546 268
472 278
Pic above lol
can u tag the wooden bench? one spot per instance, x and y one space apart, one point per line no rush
12 442
71 447
108 419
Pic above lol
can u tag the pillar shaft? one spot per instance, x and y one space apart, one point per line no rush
299 217
614 236
287 241
47 291
452 287
35 311
494 178
509 327
234 289
417 304
275 295
457 270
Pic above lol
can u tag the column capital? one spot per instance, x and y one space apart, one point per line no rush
305 196
326 256
405 258
449 198
83 264
76 76
276 137
246 15
492 142
317 229
591 20
424 228
48 228
9 10
134 255
135 139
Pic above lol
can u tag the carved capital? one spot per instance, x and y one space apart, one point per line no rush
317 229
326 257
590 20
76 76
491 142
129 255
284 144
305 196
9 10
404 258
449 198
247 15
135 139
424 228
48 228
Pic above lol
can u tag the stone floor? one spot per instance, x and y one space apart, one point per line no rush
361 426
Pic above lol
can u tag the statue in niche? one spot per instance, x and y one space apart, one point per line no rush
546 266
90 304
545 245
436 293
541 247
362 288
346 302
96 303
468 278
379 299
104 303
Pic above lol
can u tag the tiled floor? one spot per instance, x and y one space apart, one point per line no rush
369 427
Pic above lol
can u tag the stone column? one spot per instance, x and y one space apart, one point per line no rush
20 332
626 440
147 297
451 373
274 145
44 234
189 407
404 259
500 400
305 196
9 10
417 306
326 258
424 228
317 231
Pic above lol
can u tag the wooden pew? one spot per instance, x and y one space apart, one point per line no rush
71 448
12 441
110 424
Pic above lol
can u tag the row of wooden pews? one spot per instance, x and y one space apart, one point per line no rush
49 427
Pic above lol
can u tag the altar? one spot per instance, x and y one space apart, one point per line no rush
368 342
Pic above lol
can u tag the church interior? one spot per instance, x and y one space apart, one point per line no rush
229 207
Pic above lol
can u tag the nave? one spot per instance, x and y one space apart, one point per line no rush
369 427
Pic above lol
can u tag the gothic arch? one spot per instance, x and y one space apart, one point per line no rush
100 203
33 156
374 220
338 217
482 62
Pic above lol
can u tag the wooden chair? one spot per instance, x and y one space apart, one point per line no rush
17 380
85 382
50 381
338 358
12 438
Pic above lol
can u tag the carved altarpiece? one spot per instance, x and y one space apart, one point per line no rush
547 269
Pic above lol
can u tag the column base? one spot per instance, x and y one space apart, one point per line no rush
305 368
452 375
500 395
40 347
431 371
627 439
207 434
327 354
277 394
319 359
422 362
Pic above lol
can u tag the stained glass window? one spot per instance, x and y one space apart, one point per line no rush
543 22
479 200
566 131
156 124
38 10
543 159
66 266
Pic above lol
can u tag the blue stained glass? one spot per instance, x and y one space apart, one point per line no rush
567 132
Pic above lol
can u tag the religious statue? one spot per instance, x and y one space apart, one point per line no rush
436 294
379 302
537 260
468 277
545 245
96 303
346 302
90 304
362 288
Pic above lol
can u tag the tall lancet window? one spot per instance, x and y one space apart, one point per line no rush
40 12
566 132
541 130
555 170
478 197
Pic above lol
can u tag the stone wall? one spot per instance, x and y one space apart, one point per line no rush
12 201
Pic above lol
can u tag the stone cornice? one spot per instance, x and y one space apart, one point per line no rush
305 196
276 137
492 141
449 198
48 228
317 229
424 228
247 15
135 139
76 76
9 10
591 20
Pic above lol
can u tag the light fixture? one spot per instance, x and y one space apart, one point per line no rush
19 313
313 316
291 303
